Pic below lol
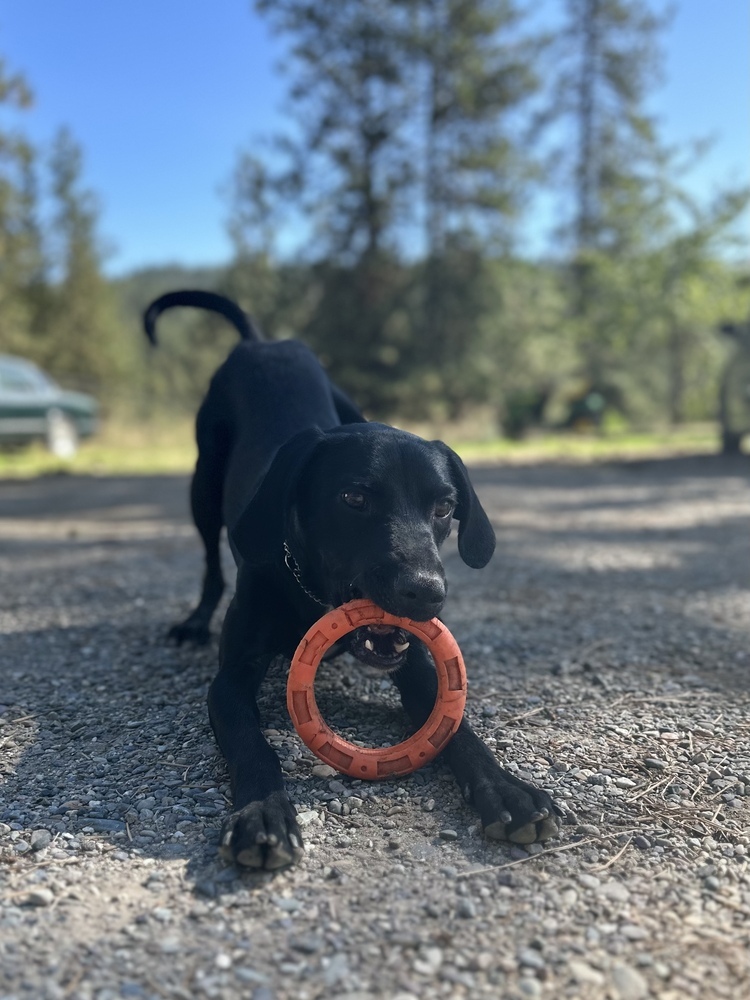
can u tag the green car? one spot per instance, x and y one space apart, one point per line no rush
34 408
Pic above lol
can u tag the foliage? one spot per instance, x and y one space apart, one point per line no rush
55 305
419 133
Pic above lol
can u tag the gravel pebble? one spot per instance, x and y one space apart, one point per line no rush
629 984
39 897
40 839
448 834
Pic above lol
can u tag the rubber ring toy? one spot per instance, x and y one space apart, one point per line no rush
378 762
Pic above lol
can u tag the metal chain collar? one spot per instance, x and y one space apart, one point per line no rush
293 566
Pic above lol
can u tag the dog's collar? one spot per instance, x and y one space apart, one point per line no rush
293 566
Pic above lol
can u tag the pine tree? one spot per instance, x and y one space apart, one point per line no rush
80 342
16 246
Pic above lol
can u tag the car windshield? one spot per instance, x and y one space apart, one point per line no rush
18 376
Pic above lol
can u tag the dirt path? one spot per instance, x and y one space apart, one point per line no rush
608 650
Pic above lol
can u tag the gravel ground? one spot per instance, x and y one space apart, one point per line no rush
608 657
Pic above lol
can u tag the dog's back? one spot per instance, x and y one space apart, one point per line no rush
263 394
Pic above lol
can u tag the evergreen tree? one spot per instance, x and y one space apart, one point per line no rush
475 64
80 342
17 250
607 60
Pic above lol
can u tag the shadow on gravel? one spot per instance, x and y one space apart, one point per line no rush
120 497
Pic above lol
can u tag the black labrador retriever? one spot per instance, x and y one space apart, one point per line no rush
322 507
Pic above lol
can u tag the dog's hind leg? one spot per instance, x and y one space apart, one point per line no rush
206 504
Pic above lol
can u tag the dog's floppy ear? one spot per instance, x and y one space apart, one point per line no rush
476 537
260 531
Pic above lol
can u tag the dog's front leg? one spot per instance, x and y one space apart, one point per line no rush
510 809
262 831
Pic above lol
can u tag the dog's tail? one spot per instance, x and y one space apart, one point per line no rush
200 300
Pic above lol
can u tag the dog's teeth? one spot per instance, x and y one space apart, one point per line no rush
369 645
400 646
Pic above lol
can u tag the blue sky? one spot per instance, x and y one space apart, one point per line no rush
163 94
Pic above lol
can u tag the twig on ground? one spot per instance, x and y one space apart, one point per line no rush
547 852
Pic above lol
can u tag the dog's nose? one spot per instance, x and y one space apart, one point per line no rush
422 595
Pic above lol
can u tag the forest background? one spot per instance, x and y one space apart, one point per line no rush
418 135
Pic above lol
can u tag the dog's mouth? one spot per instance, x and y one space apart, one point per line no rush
382 646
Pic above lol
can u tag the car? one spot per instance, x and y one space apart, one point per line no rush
33 407
734 389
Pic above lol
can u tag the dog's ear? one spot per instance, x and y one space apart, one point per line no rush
476 537
259 532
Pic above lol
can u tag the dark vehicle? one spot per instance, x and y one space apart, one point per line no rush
34 408
734 391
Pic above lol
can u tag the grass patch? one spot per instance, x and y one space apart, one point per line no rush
701 439
160 446
121 448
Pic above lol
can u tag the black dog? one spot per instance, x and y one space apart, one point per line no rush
322 507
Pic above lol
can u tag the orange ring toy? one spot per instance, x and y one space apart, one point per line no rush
385 762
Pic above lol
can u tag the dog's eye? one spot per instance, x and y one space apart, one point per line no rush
353 499
444 508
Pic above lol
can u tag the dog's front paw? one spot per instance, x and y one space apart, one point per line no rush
512 810
195 632
263 834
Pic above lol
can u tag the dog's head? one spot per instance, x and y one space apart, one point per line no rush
364 509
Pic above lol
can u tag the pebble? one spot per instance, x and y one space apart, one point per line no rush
336 970
531 958
614 890
448 834
589 881
583 973
289 905
248 975
467 909
109 826
324 771
530 987
39 897
429 961
40 839
588 829
482 961
629 984
634 933
309 944
306 817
